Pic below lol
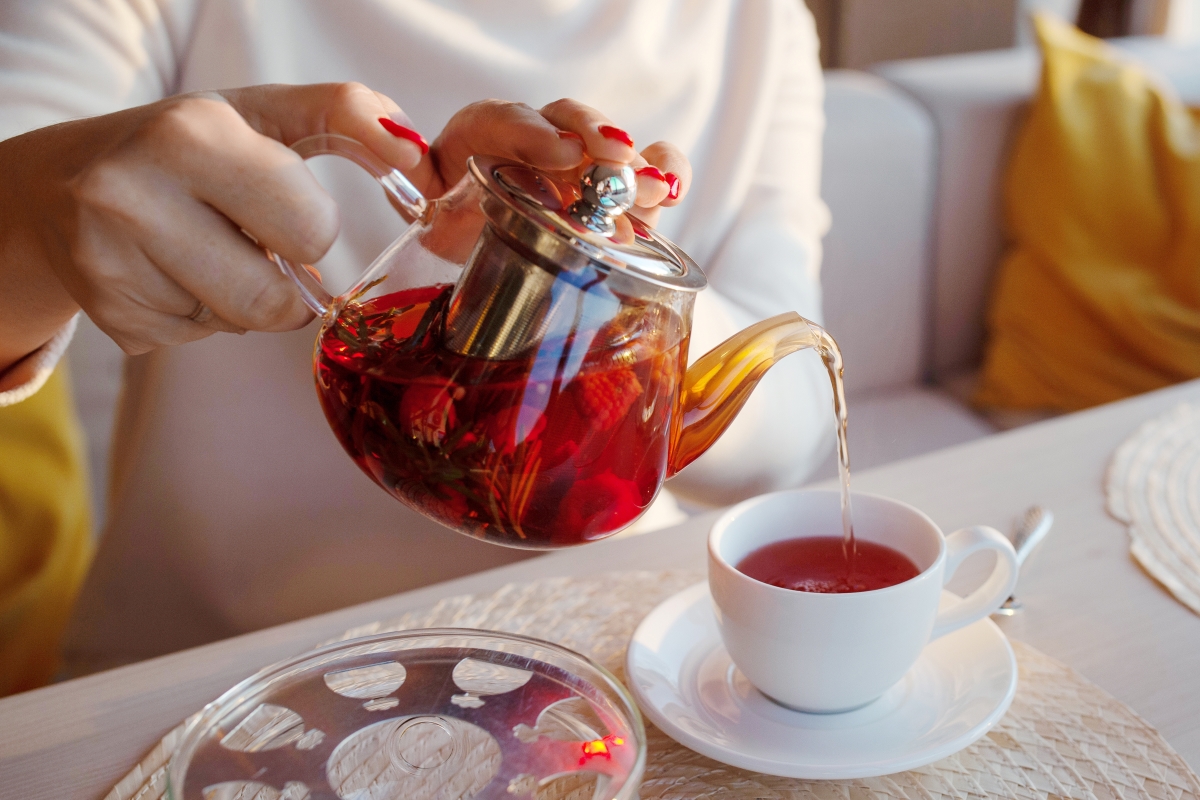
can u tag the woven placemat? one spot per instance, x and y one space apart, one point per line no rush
1062 738
1153 486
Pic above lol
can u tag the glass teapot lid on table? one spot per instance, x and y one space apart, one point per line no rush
445 713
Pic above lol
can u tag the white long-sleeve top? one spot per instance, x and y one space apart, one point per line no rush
233 506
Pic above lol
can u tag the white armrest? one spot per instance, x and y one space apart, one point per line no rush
877 178
1179 64
975 101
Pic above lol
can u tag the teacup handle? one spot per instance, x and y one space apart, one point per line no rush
994 591
404 195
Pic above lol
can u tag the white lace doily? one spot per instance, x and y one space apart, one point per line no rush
1153 486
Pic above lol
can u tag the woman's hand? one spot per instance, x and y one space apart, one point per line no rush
557 138
137 217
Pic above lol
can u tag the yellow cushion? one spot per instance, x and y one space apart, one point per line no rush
45 531
1099 297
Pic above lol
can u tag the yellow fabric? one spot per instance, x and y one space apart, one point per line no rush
1099 298
45 532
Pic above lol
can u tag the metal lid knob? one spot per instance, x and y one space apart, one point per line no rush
552 259
608 192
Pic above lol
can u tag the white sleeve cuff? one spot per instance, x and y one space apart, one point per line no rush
22 380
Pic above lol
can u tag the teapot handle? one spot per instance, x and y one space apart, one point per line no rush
398 188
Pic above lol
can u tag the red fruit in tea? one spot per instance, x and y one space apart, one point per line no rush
427 411
605 397
511 426
487 447
820 564
600 504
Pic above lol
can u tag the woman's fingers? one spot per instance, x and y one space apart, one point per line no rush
128 296
556 138
652 185
602 140
156 239
259 184
221 268
230 153
669 162
497 128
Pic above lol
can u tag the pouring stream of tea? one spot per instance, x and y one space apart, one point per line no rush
827 348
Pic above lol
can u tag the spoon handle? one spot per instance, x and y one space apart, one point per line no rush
1030 531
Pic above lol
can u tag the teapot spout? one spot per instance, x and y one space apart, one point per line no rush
719 383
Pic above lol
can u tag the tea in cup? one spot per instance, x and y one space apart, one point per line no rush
815 636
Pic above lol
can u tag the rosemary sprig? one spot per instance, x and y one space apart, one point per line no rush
354 297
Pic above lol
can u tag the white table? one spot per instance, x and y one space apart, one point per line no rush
1087 603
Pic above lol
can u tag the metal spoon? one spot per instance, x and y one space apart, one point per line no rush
1029 531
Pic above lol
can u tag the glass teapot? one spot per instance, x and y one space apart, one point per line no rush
515 364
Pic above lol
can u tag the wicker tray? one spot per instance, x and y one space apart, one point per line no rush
1062 738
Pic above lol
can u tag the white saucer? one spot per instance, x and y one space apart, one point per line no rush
686 684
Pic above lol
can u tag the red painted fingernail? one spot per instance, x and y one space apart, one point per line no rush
652 172
673 182
575 137
401 132
609 132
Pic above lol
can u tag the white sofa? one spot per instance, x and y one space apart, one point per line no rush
914 152
914 158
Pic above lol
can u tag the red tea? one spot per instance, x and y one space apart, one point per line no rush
824 564
557 448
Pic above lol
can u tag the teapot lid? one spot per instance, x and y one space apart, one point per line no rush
563 226
436 712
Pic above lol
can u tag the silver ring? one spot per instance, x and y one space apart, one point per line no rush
201 313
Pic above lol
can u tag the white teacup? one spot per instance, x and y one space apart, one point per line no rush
826 653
